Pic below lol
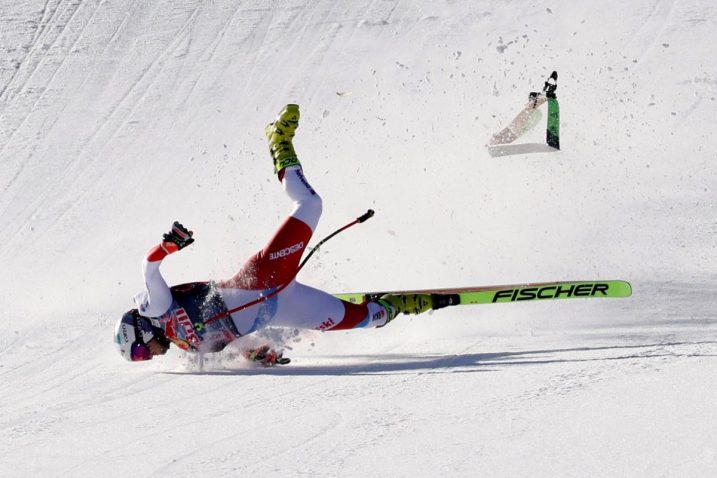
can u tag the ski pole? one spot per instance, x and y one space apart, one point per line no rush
259 300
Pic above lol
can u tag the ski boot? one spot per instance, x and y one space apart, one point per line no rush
279 133
405 304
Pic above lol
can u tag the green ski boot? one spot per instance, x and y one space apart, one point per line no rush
405 304
279 133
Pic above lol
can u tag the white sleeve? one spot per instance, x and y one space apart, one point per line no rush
156 299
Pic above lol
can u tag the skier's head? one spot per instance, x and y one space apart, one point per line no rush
137 339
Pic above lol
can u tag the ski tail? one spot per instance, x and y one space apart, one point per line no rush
508 293
552 135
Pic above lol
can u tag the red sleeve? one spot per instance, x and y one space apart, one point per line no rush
161 250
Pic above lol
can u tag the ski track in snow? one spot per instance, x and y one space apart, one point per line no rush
651 29
116 116
124 110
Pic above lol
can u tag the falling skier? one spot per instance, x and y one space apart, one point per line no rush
186 315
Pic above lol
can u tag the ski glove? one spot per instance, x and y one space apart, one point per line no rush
266 356
177 239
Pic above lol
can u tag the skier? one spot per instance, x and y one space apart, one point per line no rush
180 315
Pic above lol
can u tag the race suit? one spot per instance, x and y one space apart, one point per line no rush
181 311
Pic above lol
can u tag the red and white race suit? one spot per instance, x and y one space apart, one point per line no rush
297 305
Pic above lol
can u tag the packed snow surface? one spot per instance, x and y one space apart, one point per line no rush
118 117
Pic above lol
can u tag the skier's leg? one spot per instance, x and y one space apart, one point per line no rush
277 262
280 133
307 203
305 307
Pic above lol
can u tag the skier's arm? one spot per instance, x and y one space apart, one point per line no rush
157 298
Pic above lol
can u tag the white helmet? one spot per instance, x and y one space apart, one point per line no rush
132 334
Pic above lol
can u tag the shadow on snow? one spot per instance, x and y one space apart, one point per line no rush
388 364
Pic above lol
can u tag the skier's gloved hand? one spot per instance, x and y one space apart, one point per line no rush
265 355
177 239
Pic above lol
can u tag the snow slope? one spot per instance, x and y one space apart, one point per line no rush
118 117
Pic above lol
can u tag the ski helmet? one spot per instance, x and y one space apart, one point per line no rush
132 334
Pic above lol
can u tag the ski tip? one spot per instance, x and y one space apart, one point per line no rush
619 288
627 287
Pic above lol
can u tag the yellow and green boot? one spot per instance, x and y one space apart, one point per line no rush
405 304
280 133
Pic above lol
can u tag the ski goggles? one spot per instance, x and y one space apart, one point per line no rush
139 350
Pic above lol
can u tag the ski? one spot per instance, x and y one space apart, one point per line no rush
507 293
552 134
530 115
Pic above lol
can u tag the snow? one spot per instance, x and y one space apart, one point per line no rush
116 118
